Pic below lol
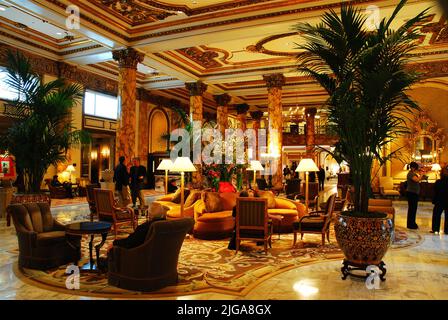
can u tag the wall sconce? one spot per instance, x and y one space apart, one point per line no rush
93 155
105 152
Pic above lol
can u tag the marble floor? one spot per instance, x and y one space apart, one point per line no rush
419 272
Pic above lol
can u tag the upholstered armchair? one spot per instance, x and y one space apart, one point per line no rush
56 192
108 210
317 222
387 187
152 265
43 243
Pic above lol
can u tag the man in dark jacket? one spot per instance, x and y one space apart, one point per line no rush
137 173
121 179
440 202
321 178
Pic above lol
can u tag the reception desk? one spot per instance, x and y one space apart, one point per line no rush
426 190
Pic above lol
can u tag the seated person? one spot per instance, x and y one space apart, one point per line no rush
66 185
172 187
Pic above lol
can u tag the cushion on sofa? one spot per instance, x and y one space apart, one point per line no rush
212 202
176 196
269 196
228 200
216 216
194 196
284 204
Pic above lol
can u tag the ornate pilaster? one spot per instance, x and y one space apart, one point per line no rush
127 92
310 114
196 90
222 112
241 111
274 83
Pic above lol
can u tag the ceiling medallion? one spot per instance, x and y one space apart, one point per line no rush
135 11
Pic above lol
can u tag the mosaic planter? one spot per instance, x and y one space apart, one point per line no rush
364 241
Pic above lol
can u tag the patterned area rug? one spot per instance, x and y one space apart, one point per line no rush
208 266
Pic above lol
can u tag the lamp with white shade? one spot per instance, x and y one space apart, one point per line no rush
255 166
166 164
306 165
436 167
70 169
182 165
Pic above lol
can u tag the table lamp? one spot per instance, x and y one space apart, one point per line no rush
182 165
306 165
165 164
70 169
436 167
255 166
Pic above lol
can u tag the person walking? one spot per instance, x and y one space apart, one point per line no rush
137 173
121 179
440 201
412 193
321 178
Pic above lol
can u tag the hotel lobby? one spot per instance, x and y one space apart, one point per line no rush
223 150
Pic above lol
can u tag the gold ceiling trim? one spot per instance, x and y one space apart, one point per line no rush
259 46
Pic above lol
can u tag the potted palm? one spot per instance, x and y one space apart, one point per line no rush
364 73
41 131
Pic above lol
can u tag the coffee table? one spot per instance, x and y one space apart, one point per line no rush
90 228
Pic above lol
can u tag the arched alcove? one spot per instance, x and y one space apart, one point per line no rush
158 128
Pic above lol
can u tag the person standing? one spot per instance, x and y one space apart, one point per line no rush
121 179
286 172
412 193
137 173
321 178
440 201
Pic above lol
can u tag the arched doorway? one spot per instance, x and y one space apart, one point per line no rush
158 143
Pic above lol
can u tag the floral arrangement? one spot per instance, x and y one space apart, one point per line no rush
216 173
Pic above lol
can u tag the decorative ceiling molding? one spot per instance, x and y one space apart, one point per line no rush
259 46
439 31
205 59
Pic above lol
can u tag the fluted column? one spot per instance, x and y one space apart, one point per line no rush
241 110
256 125
274 83
196 90
222 112
127 92
310 114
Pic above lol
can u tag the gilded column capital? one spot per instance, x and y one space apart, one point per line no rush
310 112
222 99
128 58
196 88
242 108
275 80
256 115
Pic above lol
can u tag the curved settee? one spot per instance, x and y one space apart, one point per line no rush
165 205
290 210
215 225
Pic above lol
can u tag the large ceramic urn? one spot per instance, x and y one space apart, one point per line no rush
364 240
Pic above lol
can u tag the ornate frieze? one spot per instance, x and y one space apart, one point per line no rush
196 88
205 59
275 80
439 31
128 58
222 99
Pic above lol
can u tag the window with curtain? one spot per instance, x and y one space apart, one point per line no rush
100 105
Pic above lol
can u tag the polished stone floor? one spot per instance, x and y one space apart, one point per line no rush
419 272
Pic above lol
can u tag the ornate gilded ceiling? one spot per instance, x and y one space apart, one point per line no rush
228 45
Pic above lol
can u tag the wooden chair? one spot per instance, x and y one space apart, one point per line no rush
107 210
252 221
90 196
317 222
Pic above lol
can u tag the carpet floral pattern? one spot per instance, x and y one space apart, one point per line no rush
208 266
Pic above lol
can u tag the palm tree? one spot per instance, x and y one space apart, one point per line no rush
42 131
364 73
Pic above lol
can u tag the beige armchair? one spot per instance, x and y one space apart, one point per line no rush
387 187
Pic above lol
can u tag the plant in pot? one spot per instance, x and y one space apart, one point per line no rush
364 73
41 132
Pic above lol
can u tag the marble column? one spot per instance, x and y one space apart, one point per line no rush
274 83
310 114
256 125
127 92
241 111
196 90
222 112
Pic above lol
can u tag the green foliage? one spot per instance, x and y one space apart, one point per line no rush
42 130
364 72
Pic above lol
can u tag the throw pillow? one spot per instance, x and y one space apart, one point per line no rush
269 196
194 196
176 197
212 201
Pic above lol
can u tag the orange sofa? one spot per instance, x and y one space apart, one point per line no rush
215 225
164 205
